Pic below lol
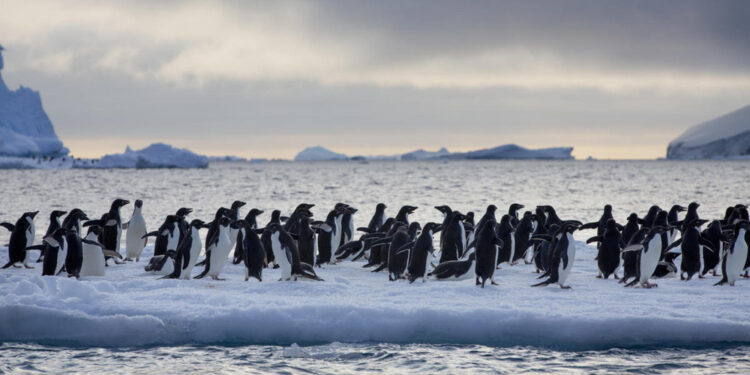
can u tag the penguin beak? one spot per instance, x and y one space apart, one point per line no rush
33 214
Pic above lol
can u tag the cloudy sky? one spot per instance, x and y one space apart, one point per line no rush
614 79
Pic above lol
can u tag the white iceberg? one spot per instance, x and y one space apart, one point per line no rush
725 137
422 154
158 155
511 151
25 129
319 153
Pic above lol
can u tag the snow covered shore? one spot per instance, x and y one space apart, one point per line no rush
129 307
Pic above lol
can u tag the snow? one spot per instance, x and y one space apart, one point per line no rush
319 153
25 129
129 307
157 155
727 136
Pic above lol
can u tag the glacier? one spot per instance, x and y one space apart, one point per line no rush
157 155
725 137
25 129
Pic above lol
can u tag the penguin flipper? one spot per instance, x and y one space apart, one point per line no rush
366 230
207 262
707 244
543 283
151 234
7 226
381 267
674 244
307 271
593 225
35 247
594 239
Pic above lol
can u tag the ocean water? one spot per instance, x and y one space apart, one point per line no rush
357 321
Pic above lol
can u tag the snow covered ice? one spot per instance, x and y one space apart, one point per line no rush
157 155
727 136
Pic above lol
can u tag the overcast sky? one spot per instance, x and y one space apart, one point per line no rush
614 79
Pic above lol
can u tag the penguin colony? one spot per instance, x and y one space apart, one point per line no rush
644 248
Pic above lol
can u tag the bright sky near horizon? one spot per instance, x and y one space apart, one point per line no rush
613 79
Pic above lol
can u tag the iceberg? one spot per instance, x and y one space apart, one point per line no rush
319 153
725 137
421 154
157 155
511 151
25 129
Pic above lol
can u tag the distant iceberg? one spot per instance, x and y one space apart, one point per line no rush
725 137
227 158
158 155
422 154
512 151
319 153
25 129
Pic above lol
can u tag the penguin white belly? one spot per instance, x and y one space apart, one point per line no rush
736 259
650 259
61 255
167 268
219 255
512 247
337 235
30 232
233 237
463 237
134 242
93 260
173 239
529 253
195 250
315 250
563 272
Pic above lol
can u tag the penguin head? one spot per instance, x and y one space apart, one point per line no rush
275 215
515 207
350 210
611 224
414 229
138 203
184 211
679 208
305 206
55 214
253 213
444 209
30 215
693 206
120 202
225 221
470 216
198 223
608 208
95 229
491 209
77 213
505 220
431 227
273 227
409 209
633 217
237 204
380 207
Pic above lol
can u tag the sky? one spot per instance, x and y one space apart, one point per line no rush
613 79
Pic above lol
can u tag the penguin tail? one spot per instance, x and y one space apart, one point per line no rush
380 268
308 272
722 281
632 283
543 283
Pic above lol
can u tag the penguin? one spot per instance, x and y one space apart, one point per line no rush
563 256
384 244
93 253
692 213
326 240
306 242
182 223
418 251
552 218
217 251
253 253
648 220
21 237
610 244
673 220
452 245
377 220
136 229
690 247
288 256
630 258
522 237
234 215
252 220
163 264
469 228
74 221
266 239
489 214
455 269
630 228
213 231
735 257
55 250
187 252
112 227
506 233
303 208
600 225
376 251
649 252
74 256
54 224
486 245
712 259
168 234
666 267
543 249
397 262
347 224
513 213
404 212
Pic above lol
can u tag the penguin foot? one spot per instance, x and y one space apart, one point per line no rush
493 283
599 276
28 267
498 268
478 281
564 286
615 276
247 278
514 263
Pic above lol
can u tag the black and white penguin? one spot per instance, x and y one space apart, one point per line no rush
453 242
712 259
506 233
418 252
486 249
630 258
162 264
649 252
112 227
136 229
378 218
563 256
610 245
382 244
666 267
252 222
74 256
347 224
187 251
600 225
234 215
648 220
513 213
306 241
168 238
213 231
404 212
469 228
446 211
690 247
291 223
735 257
455 269
74 221
489 215
182 223
327 240
55 251
217 251
21 237
397 262
630 228
93 253
376 251
288 256
54 224
253 253
673 220
692 213
266 240
522 238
